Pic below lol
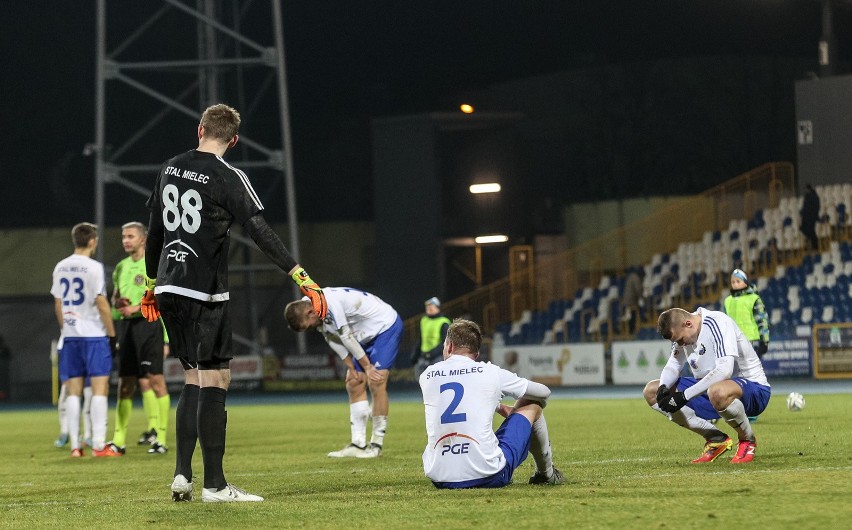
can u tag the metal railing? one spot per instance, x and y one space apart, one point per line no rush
558 277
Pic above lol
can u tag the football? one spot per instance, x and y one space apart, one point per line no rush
795 402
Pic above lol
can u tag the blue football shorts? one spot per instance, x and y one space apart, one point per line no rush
755 398
84 356
383 349
514 439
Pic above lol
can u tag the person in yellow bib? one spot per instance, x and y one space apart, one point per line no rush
746 308
433 331
143 346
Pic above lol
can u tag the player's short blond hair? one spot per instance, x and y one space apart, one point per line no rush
137 225
295 313
220 122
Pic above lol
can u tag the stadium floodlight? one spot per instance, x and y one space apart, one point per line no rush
491 187
497 238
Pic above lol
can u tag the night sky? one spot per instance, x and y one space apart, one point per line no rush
349 62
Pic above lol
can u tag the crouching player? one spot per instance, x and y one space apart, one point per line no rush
461 396
729 381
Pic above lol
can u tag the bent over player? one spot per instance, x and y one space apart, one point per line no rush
365 332
461 396
197 198
729 381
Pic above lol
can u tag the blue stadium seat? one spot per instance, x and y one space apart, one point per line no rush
574 331
737 257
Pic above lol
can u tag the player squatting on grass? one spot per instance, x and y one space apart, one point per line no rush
728 381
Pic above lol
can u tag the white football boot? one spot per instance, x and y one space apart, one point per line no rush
371 451
228 494
181 489
350 451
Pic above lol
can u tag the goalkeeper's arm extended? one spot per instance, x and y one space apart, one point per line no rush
271 245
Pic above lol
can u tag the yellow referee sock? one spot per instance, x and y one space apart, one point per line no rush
152 410
122 418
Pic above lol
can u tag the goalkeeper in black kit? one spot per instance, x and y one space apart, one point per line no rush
197 198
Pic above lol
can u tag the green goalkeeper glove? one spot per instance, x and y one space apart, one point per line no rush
313 291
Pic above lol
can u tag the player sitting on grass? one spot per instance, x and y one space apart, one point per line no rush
729 380
461 396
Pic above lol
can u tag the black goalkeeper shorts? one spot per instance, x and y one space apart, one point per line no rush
140 350
199 332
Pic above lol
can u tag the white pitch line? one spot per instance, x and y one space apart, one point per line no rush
740 471
609 461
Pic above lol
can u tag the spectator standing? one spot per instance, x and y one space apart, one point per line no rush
810 216
433 330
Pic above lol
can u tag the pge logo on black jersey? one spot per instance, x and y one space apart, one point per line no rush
178 255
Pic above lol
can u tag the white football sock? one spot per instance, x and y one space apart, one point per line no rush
687 418
380 425
359 413
736 417
540 447
87 409
63 410
99 421
72 417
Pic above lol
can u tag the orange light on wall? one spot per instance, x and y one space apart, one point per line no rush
467 109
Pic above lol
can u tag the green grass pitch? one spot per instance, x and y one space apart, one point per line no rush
627 467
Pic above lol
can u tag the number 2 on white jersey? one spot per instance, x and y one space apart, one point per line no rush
190 202
449 415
